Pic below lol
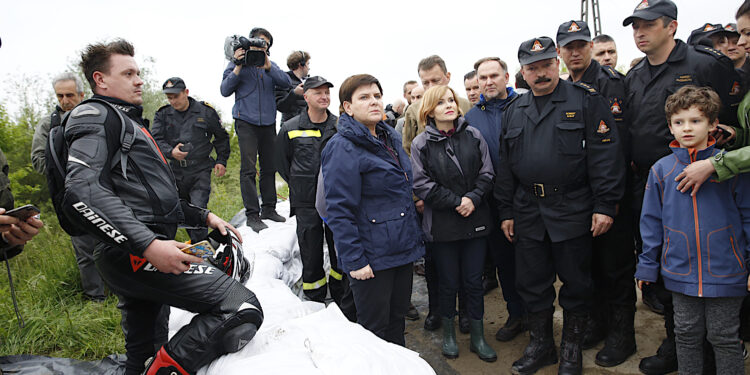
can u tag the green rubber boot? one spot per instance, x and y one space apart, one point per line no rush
450 347
478 344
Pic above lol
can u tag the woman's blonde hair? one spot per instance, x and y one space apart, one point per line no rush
430 101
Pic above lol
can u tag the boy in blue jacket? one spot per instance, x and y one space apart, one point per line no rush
697 245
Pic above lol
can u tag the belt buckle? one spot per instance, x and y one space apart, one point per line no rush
538 190
183 163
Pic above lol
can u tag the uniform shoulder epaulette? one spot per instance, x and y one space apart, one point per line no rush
611 72
710 51
586 87
208 105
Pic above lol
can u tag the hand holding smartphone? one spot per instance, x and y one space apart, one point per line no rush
24 212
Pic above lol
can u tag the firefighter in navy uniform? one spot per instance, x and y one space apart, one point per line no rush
669 64
560 177
186 131
613 256
298 147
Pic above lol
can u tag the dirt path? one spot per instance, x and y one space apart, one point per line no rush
649 330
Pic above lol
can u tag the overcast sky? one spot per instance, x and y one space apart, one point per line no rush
383 38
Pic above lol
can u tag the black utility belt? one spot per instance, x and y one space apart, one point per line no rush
186 163
543 190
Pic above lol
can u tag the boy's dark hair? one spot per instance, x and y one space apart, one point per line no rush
470 75
95 58
704 98
429 62
743 10
351 84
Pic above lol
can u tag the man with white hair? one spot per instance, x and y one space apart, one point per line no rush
69 92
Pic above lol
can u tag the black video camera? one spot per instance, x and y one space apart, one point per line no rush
252 57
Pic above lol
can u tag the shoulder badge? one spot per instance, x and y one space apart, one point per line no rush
85 110
735 89
616 107
710 51
611 72
586 87
208 105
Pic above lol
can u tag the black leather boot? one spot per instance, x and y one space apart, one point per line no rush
620 343
541 349
596 328
512 328
664 362
571 359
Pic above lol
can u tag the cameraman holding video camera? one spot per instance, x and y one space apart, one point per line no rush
251 76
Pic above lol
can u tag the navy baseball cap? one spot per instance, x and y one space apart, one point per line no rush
573 30
652 9
731 28
536 49
701 34
315 81
174 85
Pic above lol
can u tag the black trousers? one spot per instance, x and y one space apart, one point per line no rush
91 281
256 142
537 264
383 301
310 234
613 262
432 278
503 257
195 187
145 296
460 263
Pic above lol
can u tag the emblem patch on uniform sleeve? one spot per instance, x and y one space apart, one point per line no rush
735 89
615 108
603 128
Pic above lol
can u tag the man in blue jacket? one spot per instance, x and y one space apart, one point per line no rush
254 115
487 117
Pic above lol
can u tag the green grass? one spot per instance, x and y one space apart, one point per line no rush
59 322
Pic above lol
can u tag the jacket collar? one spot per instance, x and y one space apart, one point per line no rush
306 123
558 95
589 76
434 135
359 134
133 111
484 104
689 155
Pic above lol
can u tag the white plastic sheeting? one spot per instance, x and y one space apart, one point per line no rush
300 337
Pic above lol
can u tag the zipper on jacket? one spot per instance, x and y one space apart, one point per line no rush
697 237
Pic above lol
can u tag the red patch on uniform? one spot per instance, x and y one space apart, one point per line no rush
603 128
574 27
615 107
537 46
735 89
136 262
642 5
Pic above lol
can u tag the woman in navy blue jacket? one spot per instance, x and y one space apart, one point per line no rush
453 174
368 193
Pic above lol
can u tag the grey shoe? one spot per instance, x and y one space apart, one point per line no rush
255 223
